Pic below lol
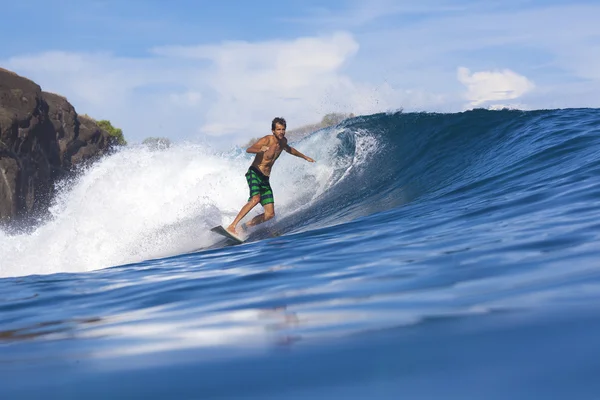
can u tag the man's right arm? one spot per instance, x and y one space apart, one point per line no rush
260 146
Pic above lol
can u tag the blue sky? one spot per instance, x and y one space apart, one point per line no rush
220 71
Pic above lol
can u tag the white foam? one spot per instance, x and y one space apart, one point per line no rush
140 204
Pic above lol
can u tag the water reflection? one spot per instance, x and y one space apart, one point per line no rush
48 329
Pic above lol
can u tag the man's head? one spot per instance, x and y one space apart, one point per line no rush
278 126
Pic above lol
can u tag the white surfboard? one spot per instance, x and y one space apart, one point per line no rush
223 232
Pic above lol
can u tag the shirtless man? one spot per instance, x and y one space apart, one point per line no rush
267 150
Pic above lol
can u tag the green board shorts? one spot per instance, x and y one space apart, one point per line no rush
259 184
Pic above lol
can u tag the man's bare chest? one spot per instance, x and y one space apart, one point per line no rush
275 149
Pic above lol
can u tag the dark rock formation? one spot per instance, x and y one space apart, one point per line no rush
42 139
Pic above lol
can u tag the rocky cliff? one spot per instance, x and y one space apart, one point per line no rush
42 139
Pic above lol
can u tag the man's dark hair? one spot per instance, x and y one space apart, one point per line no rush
278 120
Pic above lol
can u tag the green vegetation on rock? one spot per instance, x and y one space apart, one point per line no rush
112 131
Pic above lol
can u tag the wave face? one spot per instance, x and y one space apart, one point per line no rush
141 204
453 160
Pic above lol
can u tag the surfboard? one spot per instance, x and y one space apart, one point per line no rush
223 232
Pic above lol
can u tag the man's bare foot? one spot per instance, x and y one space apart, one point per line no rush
231 229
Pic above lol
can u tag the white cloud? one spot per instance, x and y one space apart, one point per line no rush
552 45
186 99
253 82
232 89
487 86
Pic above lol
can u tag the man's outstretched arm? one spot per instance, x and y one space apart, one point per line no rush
296 153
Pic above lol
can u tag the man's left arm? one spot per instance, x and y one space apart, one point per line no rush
296 153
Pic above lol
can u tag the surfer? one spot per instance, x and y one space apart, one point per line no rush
267 150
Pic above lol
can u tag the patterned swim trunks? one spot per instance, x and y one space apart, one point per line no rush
259 184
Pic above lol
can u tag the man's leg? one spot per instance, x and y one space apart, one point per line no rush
245 210
267 215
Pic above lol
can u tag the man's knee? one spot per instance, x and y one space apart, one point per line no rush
255 199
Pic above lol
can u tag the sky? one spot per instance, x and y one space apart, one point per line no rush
218 72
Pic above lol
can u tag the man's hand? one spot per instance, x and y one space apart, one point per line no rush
264 148
309 159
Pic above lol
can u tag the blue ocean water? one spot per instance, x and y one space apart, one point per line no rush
422 256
